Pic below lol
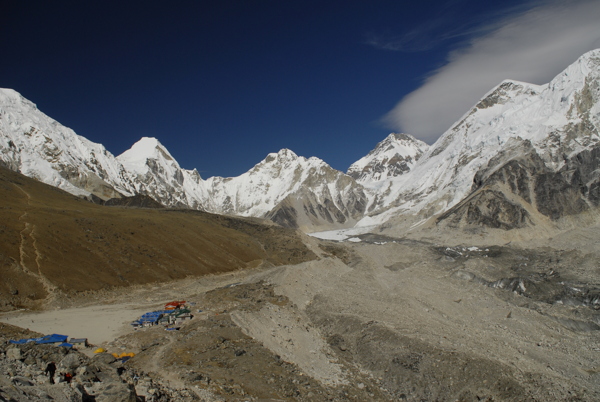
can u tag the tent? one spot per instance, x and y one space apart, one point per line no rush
174 305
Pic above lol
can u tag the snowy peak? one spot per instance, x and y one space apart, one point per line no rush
506 91
10 96
394 156
281 156
136 159
558 120
291 190
587 66
40 147
158 175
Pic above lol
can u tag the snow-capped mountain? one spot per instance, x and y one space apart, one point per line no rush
394 156
510 157
291 190
40 147
286 188
559 120
155 173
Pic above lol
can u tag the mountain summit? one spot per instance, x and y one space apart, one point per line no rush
392 157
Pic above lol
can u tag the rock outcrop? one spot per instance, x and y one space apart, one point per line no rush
506 193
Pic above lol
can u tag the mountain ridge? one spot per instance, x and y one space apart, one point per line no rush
560 119
401 175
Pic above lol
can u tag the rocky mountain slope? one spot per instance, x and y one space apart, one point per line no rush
39 147
394 156
550 125
525 190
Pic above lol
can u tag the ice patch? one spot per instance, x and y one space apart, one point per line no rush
341 234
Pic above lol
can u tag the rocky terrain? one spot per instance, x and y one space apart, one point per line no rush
381 319
101 377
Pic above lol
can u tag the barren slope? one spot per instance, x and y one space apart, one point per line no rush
52 243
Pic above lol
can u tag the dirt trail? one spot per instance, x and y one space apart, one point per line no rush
29 255
103 316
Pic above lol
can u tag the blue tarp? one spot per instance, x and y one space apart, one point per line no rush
152 317
54 338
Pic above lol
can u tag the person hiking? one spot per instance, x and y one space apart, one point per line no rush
50 370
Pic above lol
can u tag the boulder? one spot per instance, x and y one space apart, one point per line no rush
112 392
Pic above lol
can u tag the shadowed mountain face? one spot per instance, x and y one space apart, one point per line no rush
52 242
508 195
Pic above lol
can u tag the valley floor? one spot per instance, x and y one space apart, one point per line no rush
383 319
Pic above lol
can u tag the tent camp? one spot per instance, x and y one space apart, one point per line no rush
149 319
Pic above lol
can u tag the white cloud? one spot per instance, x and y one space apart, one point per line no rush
533 47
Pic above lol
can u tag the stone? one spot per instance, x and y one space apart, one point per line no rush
105 358
113 392
22 381
14 354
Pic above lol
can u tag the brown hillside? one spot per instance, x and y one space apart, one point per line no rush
53 242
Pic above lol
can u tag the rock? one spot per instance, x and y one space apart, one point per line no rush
14 354
141 389
464 275
112 392
22 381
85 373
30 360
105 358
41 379
107 374
70 362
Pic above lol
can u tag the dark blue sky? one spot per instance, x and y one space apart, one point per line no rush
223 83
